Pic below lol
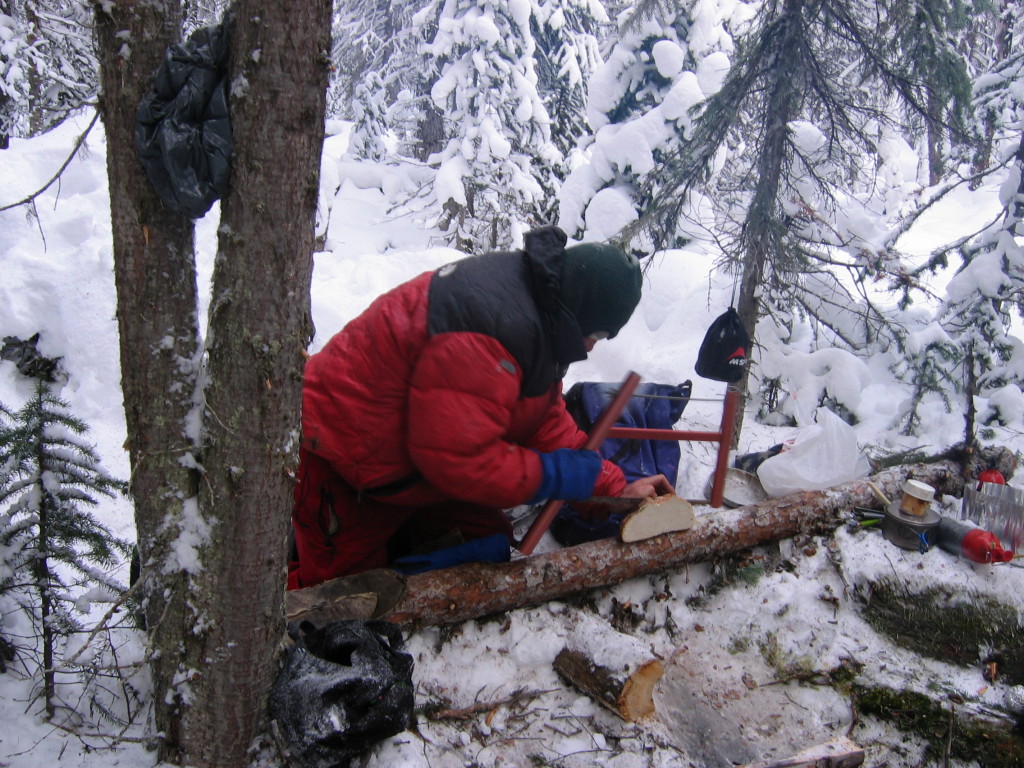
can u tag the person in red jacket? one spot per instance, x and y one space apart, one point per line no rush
441 405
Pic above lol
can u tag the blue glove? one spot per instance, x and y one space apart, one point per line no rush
490 549
568 474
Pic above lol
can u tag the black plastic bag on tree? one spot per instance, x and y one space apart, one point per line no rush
724 351
342 689
182 130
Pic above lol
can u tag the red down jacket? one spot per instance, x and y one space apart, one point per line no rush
442 387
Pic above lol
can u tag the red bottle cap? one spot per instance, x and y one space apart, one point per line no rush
990 476
981 546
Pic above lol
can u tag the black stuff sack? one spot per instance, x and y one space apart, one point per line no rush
343 688
183 130
725 350
30 361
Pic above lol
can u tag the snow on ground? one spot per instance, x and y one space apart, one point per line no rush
720 701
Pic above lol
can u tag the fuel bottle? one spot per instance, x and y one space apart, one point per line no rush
972 543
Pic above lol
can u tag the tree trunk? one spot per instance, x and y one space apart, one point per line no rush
157 300
970 391
453 595
1003 38
260 325
616 670
935 129
44 581
838 753
994 19
210 488
762 229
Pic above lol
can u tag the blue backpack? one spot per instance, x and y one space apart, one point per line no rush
653 406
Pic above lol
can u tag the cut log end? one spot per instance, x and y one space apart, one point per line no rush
630 695
661 514
637 699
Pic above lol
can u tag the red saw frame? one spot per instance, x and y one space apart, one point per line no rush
604 428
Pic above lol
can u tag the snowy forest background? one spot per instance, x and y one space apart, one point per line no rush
799 141
803 138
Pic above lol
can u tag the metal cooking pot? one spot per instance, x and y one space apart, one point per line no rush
919 532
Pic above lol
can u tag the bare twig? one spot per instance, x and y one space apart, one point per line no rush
465 713
102 624
113 739
281 743
74 151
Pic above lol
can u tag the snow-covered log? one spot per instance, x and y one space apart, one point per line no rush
453 595
615 669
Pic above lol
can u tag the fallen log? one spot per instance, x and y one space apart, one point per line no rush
616 670
470 591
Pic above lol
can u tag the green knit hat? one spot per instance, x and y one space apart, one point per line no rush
600 286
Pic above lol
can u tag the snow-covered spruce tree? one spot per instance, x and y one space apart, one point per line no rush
972 351
991 38
369 137
51 477
568 34
47 64
15 543
933 371
981 299
456 86
929 41
366 36
497 134
667 58
381 80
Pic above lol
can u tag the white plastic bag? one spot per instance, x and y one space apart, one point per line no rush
823 455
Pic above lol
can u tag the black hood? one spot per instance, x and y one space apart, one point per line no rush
513 296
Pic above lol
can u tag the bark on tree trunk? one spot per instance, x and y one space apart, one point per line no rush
454 595
212 503
154 271
259 327
935 130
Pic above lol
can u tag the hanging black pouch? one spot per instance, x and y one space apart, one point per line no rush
183 129
724 352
